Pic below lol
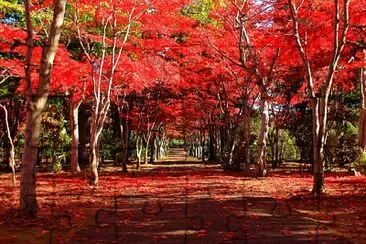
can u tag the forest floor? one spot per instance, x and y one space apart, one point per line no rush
181 200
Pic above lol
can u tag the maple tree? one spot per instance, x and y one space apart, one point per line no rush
320 93
61 75
36 102
105 63
254 54
218 74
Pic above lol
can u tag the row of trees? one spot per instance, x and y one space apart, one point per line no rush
216 70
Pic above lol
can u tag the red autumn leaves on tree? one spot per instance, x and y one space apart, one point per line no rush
162 66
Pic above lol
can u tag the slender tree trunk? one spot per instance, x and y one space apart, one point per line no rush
223 140
146 150
84 132
152 151
94 159
212 141
162 146
96 128
11 145
36 103
281 149
203 148
320 107
125 132
362 123
156 149
149 133
124 143
138 151
74 124
211 148
276 146
246 115
198 153
198 149
261 159
13 122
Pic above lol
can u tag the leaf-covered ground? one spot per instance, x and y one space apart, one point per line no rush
180 201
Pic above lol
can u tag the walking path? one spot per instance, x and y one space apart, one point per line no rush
181 200
179 155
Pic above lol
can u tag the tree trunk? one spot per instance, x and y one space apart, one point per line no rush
275 147
147 142
74 125
162 148
152 151
14 121
124 127
84 133
362 129
223 139
212 140
138 151
11 144
203 150
28 199
261 159
246 115
96 128
94 159
212 147
125 131
35 104
156 149
320 107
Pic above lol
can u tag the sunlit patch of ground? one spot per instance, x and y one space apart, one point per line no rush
179 201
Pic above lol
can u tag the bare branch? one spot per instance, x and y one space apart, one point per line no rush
4 79
338 43
221 52
300 47
28 58
85 51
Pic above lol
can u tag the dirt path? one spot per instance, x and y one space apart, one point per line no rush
179 156
178 201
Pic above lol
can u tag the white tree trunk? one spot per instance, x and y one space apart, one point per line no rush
12 149
138 151
320 108
261 166
94 158
146 150
74 124
362 123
